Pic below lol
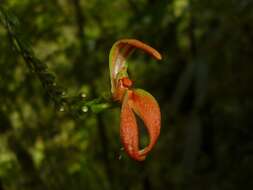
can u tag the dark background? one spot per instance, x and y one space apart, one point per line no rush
203 86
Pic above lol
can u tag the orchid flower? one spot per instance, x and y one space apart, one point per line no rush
134 101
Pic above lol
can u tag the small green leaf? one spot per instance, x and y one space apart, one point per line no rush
99 107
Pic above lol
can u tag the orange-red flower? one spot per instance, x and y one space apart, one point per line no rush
134 101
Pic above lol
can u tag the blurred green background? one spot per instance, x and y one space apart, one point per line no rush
203 86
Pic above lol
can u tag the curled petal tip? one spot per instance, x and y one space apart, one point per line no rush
158 56
143 104
141 45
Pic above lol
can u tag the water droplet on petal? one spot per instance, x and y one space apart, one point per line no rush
85 109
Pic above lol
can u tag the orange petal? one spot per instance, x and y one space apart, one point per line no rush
146 107
128 130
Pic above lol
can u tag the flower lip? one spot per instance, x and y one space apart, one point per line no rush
127 82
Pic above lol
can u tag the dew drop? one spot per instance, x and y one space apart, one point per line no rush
63 93
61 109
84 109
83 95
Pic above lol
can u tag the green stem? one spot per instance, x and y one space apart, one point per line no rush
76 105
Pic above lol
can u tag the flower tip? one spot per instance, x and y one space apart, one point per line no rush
158 56
137 155
139 158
